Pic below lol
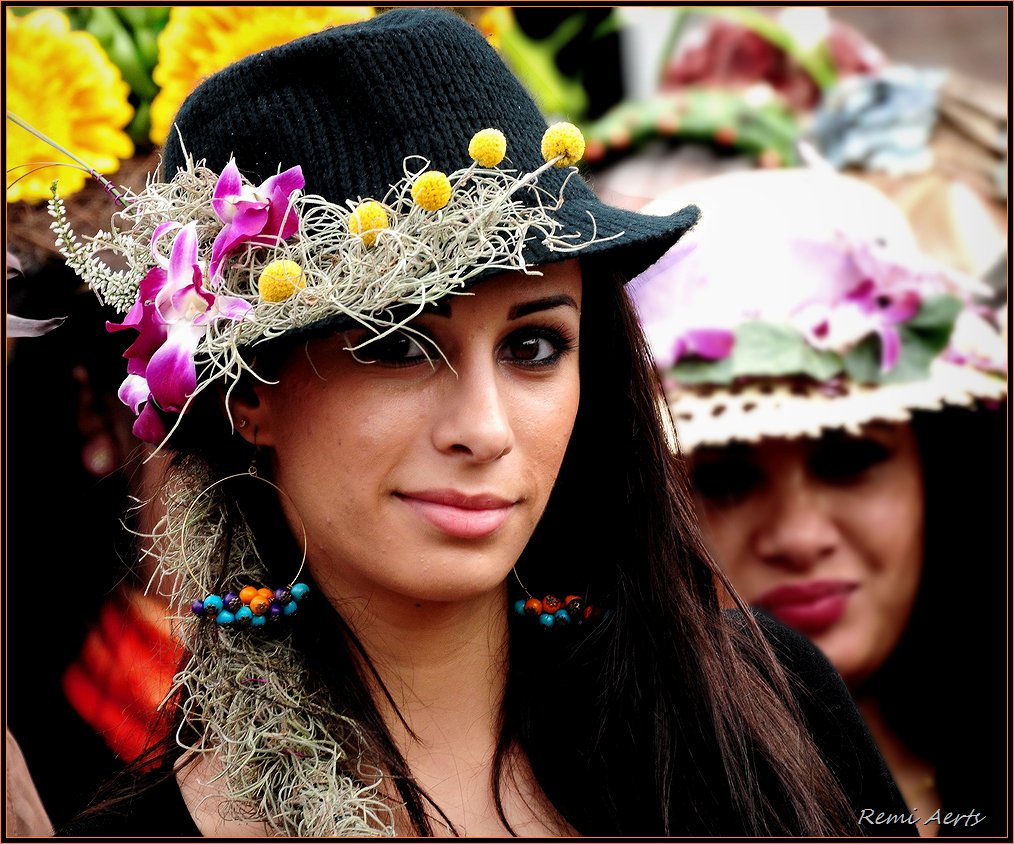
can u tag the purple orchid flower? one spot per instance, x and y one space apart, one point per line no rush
171 315
261 215
707 343
885 311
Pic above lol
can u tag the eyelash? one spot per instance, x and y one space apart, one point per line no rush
559 336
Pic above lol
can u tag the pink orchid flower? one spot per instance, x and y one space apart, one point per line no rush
707 343
261 215
865 309
171 315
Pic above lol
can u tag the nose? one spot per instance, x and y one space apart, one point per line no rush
473 418
799 530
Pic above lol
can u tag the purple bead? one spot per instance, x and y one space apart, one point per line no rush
283 596
197 607
232 601
274 610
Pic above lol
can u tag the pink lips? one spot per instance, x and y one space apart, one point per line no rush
811 607
459 515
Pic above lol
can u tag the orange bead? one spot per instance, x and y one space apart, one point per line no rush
267 594
247 594
574 605
551 604
533 606
259 605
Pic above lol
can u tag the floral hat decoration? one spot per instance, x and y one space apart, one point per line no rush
802 302
332 182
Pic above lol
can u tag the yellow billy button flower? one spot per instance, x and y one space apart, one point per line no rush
432 190
279 280
564 140
488 147
368 219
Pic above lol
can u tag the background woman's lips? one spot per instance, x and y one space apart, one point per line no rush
459 515
811 607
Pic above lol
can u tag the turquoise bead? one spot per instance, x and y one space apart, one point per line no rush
290 608
299 591
225 617
243 616
562 617
519 606
547 619
213 605
258 621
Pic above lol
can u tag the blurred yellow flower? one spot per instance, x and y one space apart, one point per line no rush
200 40
493 22
488 147
564 140
63 84
432 190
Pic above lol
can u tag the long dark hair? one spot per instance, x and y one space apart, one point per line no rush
665 717
956 718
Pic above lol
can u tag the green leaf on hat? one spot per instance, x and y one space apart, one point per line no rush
693 370
922 338
762 349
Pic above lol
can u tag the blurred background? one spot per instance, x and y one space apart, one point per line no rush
911 98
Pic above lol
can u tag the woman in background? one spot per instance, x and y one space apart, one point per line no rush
836 393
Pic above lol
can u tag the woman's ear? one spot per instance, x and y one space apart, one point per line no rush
250 406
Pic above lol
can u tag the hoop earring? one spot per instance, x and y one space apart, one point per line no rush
550 611
250 606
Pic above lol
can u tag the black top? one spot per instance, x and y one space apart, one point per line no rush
838 729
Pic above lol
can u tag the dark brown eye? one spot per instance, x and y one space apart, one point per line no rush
841 460
723 481
535 347
530 348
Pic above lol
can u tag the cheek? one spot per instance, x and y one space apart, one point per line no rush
725 533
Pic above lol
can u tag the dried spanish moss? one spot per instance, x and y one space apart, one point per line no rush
286 758
417 259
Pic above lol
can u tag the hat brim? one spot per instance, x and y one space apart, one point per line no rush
712 416
627 243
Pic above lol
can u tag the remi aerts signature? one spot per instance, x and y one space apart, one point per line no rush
940 817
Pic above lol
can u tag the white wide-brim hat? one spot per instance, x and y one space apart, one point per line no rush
801 302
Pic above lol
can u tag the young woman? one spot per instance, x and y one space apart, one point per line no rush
438 572
825 378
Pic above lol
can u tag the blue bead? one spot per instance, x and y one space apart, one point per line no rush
562 617
197 607
225 617
290 608
546 619
258 621
299 591
213 605
519 606
243 616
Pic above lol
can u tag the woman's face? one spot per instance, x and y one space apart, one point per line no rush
418 477
825 534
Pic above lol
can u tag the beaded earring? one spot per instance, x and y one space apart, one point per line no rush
249 606
550 611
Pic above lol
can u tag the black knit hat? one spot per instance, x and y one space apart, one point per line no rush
349 104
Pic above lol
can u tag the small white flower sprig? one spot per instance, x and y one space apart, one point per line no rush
317 260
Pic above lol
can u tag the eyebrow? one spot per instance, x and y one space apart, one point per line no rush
548 303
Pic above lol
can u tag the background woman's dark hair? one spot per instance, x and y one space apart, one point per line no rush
665 674
942 690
